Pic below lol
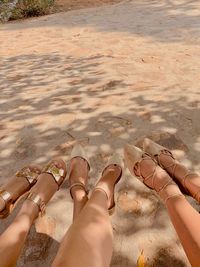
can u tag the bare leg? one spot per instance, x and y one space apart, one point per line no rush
12 240
186 221
88 242
184 217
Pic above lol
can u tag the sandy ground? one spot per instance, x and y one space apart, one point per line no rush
102 77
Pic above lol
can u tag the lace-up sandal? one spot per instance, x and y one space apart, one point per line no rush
133 159
29 174
78 152
116 161
58 173
186 183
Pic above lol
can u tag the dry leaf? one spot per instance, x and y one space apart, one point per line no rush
141 260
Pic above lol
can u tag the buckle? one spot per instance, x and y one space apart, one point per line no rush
55 172
28 174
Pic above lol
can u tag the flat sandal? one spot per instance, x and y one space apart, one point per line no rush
30 174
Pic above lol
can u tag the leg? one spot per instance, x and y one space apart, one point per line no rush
12 240
185 219
88 242
188 181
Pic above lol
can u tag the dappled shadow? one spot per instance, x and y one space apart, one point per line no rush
163 21
49 102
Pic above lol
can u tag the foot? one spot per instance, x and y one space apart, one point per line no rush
144 167
46 185
18 185
78 177
108 181
187 181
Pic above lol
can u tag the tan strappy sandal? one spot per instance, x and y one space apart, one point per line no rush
133 157
58 174
30 174
156 151
117 161
79 152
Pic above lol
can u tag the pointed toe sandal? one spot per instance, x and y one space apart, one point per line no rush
133 158
187 182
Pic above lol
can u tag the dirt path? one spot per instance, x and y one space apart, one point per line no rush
66 5
102 77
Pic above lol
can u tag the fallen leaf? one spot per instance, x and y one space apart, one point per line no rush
141 260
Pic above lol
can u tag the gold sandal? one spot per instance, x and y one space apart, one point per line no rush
133 157
117 161
156 151
79 152
58 174
30 174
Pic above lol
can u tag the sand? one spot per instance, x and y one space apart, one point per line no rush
102 77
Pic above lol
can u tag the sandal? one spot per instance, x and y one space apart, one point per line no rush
30 174
156 151
116 161
79 152
58 173
133 158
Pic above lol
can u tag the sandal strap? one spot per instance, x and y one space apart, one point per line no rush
174 195
88 165
79 184
5 195
197 195
157 156
152 176
30 176
105 193
102 190
35 198
57 174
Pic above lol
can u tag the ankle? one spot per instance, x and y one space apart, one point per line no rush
78 194
171 190
29 210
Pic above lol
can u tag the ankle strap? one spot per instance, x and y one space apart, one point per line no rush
78 184
102 190
173 196
36 199
5 195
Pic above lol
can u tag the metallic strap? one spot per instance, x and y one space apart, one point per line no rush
35 198
5 195
28 174
55 172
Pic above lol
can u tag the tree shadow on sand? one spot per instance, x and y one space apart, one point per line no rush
50 102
